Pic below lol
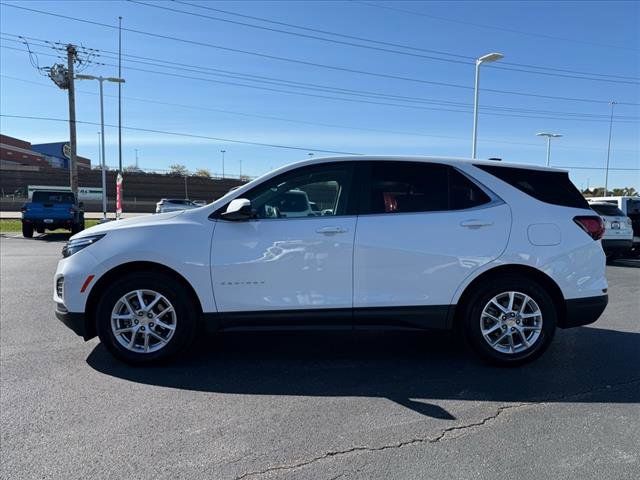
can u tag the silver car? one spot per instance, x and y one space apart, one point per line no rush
174 204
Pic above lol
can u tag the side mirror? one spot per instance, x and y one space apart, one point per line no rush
238 209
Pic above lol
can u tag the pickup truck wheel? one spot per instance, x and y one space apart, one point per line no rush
510 321
27 230
146 318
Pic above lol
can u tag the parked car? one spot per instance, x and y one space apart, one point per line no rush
51 210
630 206
504 252
292 204
618 231
174 205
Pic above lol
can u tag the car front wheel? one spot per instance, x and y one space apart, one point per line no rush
510 320
146 318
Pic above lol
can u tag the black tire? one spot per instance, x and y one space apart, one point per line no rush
476 302
185 325
27 230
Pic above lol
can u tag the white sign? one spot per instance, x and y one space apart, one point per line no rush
84 193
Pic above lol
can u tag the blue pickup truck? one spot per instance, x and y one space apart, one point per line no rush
50 210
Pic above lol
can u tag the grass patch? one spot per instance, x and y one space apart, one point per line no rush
8 225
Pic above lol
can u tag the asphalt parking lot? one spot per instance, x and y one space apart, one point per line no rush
312 406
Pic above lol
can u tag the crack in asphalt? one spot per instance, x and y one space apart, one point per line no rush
442 436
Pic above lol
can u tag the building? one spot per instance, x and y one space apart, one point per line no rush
19 154
56 154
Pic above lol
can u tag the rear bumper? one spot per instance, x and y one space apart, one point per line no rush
75 321
53 225
615 245
583 311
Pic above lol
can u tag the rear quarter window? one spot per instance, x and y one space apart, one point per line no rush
547 186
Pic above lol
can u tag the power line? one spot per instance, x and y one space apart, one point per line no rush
306 122
286 82
148 130
580 74
309 63
189 135
500 110
493 27
301 35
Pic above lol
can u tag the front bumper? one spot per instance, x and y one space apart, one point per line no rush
583 311
75 321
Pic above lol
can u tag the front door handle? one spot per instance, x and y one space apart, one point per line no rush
474 223
331 230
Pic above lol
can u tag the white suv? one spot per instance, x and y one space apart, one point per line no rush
502 251
618 229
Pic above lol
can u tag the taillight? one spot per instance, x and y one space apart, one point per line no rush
593 225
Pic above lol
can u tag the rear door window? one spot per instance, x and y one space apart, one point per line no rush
547 186
406 187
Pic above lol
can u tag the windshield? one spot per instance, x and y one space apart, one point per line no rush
607 209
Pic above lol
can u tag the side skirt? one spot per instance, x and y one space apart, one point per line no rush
421 317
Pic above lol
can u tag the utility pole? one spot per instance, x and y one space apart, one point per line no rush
606 170
73 165
120 96
223 152
136 150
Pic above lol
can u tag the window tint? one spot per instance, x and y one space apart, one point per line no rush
53 197
306 192
463 193
546 186
607 209
402 187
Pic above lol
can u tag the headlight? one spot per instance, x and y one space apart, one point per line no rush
77 244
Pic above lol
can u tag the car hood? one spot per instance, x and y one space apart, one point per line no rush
139 221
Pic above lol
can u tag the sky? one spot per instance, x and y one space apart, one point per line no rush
368 77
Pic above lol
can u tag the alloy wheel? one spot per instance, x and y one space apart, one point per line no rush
143 321
511 322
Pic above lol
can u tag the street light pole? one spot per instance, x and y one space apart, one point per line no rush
104 170
606 170
223 152
491 57
549 136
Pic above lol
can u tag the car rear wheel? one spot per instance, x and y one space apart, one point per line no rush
146 318
510 320
27 230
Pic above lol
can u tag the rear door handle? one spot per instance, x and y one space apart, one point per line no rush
331 230
473 223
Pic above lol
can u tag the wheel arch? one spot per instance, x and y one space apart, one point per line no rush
526 271
125 269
